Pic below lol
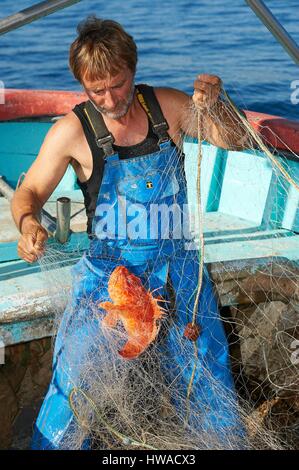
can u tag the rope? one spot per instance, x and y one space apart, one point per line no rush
201 263
260 143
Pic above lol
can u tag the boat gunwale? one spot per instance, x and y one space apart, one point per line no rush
278 132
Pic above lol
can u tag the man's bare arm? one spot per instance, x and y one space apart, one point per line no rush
222 127
218 122
39 183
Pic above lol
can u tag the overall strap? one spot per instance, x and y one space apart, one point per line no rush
104 139
147 98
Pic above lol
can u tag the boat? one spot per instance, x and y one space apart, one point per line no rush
248 224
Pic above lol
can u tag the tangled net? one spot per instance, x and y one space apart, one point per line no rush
128 404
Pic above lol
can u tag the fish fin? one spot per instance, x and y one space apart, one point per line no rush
155 332
110 307
106 305
159 312
110 320
132 349
112 315
140 337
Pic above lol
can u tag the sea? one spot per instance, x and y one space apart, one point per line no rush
177 40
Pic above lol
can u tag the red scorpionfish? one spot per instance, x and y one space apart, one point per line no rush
135 307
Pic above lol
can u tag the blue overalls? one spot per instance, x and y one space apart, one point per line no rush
157 253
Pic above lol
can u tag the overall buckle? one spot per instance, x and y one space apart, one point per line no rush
161 131
105 143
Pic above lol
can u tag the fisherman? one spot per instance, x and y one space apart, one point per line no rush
125 142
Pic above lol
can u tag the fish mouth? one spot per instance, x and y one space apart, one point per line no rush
120 271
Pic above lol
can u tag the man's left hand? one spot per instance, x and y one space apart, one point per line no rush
207 89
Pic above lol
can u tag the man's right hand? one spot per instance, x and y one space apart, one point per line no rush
31 245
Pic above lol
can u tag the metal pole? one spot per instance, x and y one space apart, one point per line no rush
63 208
278 31
33 13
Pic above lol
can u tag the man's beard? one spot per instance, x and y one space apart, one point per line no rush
122 107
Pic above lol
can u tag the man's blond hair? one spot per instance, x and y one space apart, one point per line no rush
102 48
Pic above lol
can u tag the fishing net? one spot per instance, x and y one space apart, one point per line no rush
242 209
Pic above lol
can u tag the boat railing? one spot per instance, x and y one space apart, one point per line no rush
274 26
33 13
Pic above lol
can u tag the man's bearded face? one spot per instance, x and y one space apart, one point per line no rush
112 96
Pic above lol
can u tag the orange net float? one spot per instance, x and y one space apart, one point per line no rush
192 331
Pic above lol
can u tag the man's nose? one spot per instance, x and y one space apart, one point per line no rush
110 99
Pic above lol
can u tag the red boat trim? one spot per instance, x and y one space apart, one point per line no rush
32 103
278 132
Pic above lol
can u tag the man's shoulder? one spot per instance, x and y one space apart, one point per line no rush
167 93
172 100
63 137
173 103
69 120
68 126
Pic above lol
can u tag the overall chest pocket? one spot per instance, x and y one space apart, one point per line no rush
152 187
